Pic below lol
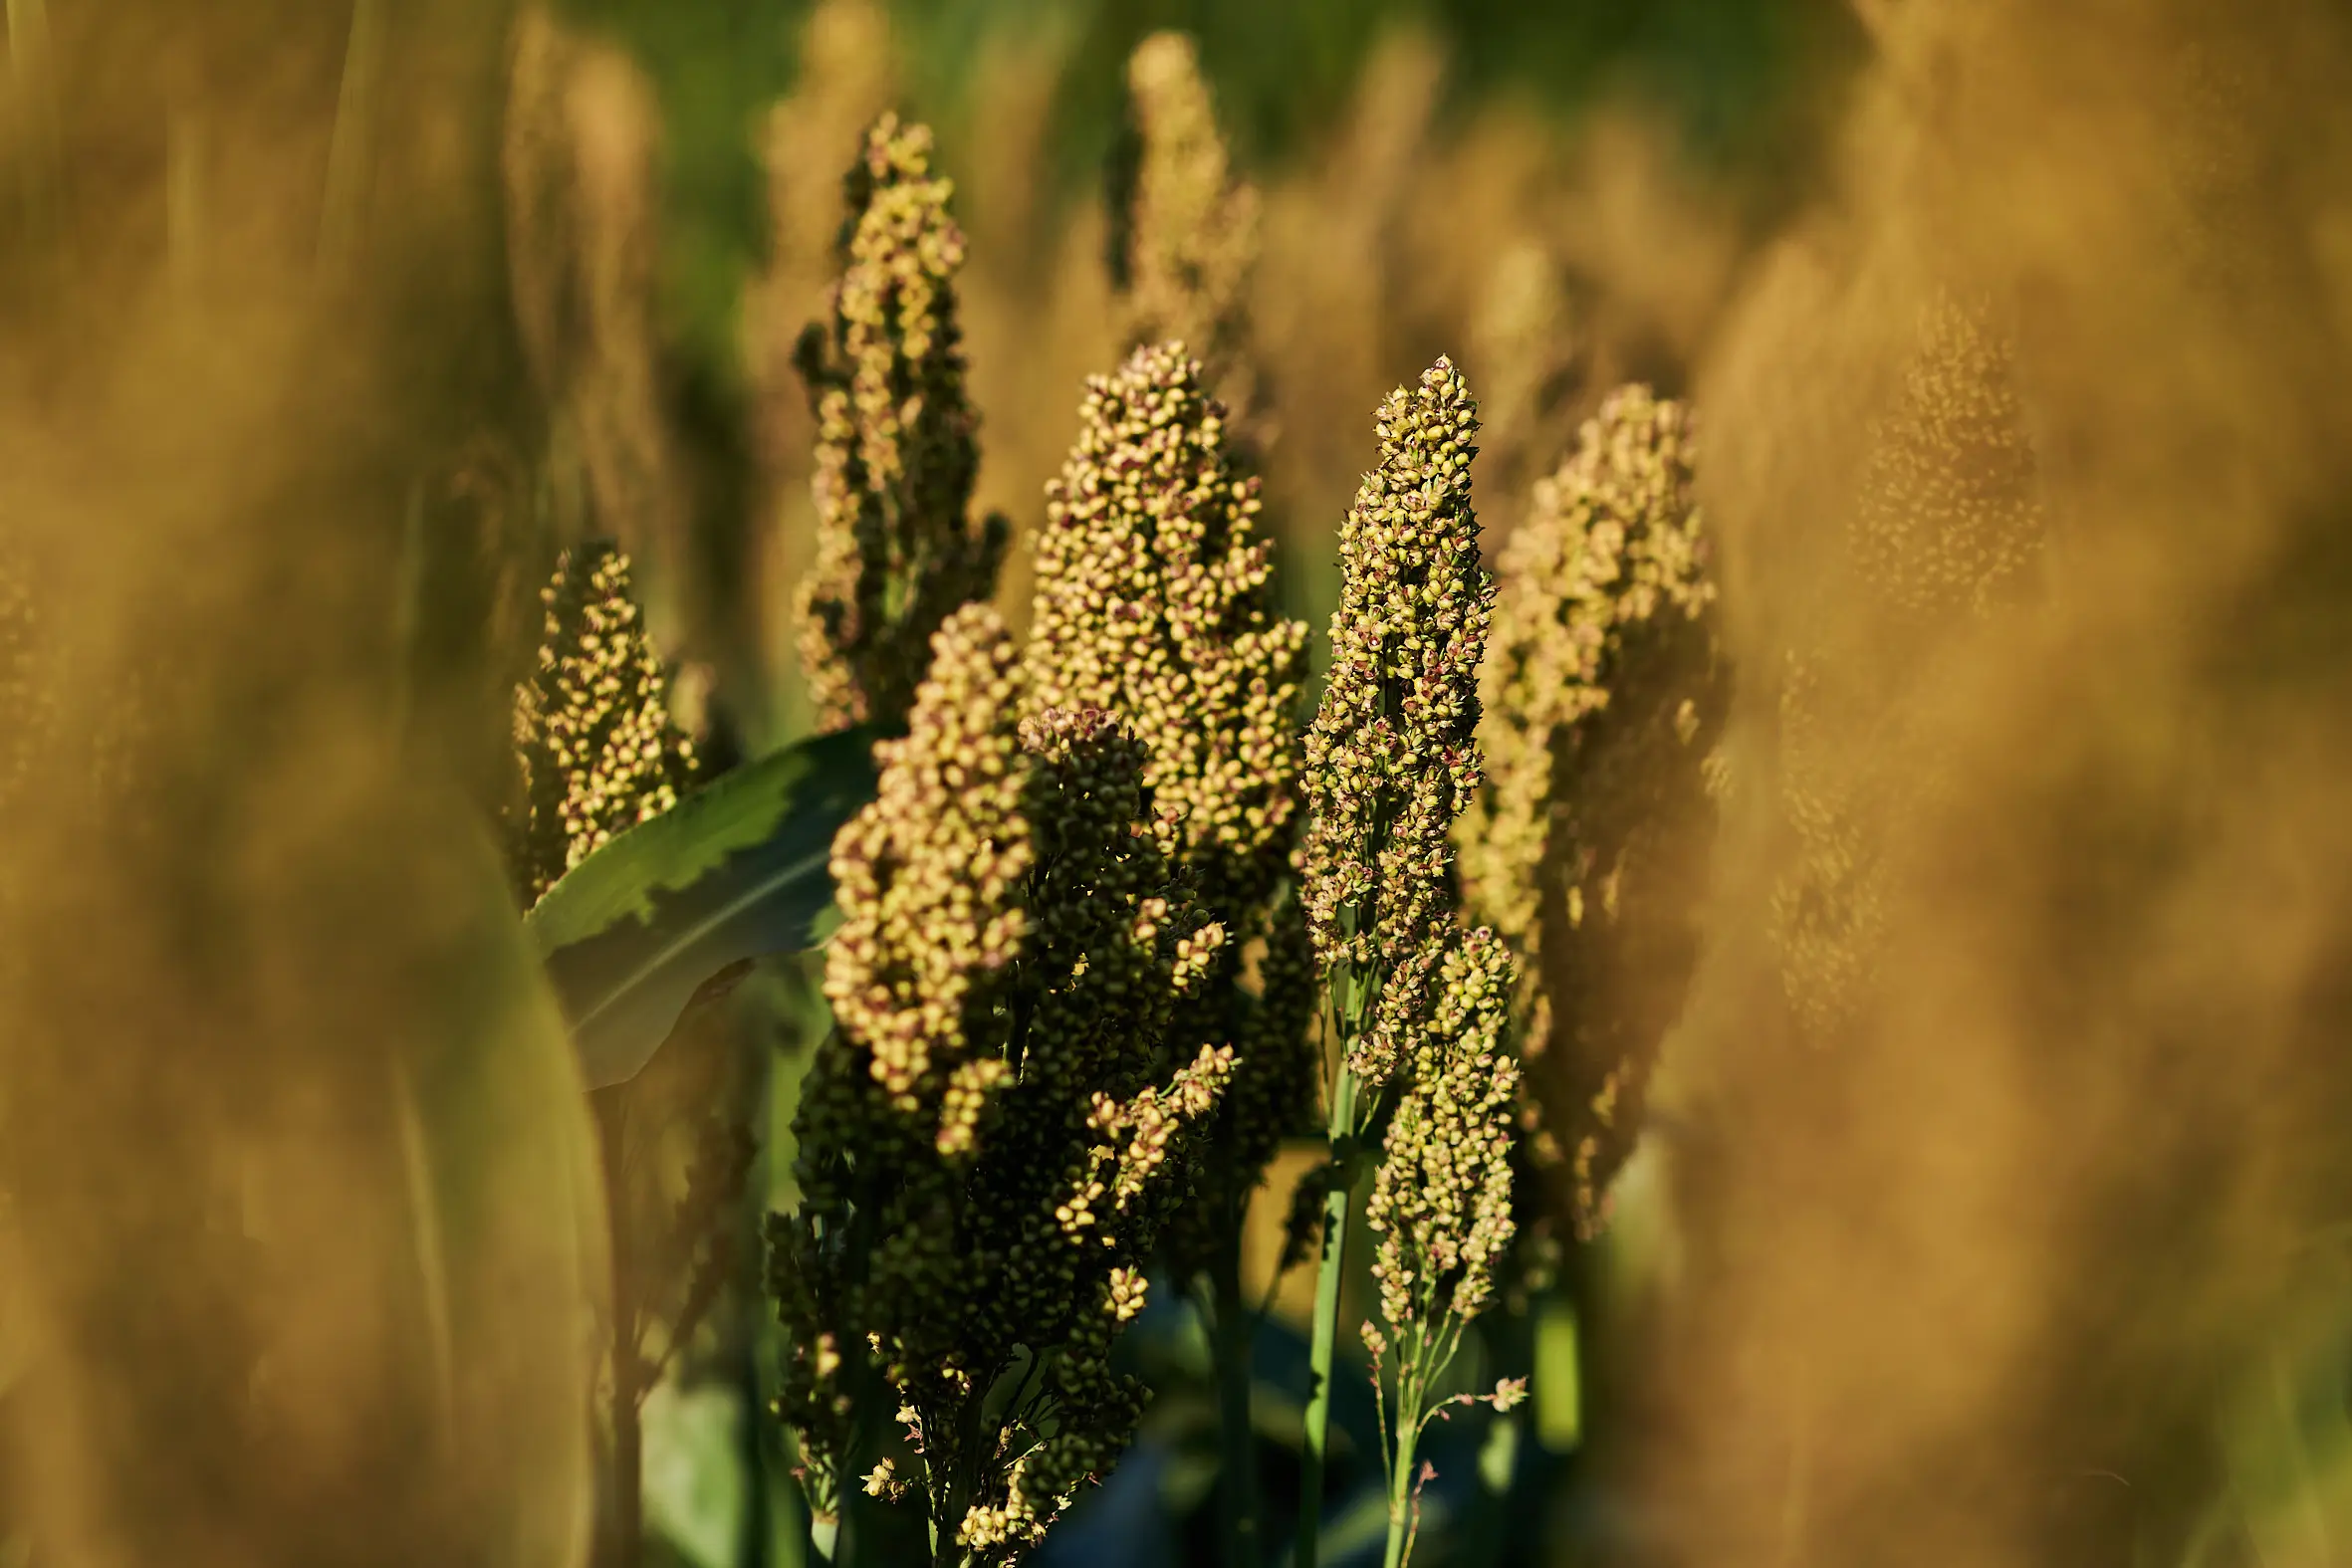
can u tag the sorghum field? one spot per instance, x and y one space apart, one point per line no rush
1484 783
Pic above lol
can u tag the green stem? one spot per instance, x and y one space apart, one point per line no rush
628 1475
1400 1481
1236 1496
1327 1316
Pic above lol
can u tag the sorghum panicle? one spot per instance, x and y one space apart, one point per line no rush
1441 1200
896 442
1392 757
1602 698
1192 229
1155 601
988 1147
1612 543
593 737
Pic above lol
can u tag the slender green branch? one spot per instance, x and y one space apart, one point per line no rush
1336 1203
1400 1478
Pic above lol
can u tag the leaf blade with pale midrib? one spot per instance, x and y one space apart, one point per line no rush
735 871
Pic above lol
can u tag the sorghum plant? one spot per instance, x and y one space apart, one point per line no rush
595 743
1188 242
1154 601
1948 526
598 752
1392 758
1441 1205
988 1147
896 442
1602 698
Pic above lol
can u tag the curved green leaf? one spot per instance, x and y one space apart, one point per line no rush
737 870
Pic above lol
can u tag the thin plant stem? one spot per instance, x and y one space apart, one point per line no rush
1400 1481
1336 1204
628 1437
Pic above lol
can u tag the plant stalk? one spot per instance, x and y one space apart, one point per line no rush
1336 1203
1236 1496
629 1435
1400 1482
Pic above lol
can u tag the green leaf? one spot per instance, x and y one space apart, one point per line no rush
697 1495
505 1247
738 870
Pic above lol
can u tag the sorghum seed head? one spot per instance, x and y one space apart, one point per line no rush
1393 753
896 442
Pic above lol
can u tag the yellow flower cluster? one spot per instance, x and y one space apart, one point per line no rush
987 1144
1603 697
1155 601
896 443
1191 241
1441 1200
1393 757
593 737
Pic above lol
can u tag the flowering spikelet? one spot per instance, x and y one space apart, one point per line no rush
1601 700
1191 239
985 1149
598 748
1393 757
1441 1200
896 442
